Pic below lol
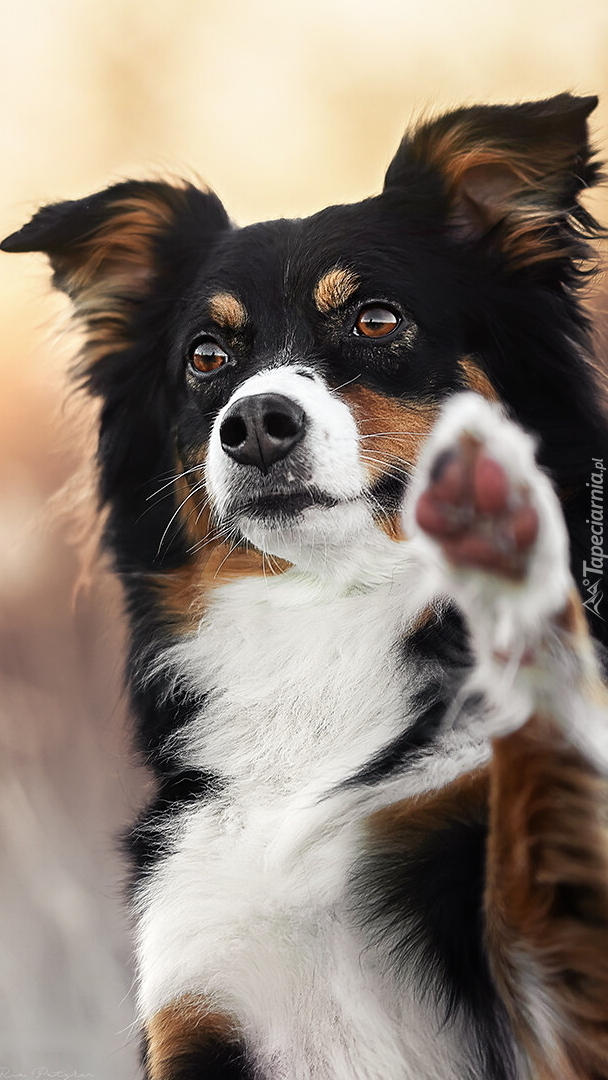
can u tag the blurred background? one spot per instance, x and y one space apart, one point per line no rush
282 108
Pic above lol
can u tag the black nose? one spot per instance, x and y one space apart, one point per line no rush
262 429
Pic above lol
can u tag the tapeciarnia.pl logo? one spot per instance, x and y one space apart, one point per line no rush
594 569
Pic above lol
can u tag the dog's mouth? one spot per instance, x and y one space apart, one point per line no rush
285 507
278 508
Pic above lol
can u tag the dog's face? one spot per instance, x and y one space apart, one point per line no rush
286 373
309 358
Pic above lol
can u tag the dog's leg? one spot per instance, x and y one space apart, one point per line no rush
492 528
187 1040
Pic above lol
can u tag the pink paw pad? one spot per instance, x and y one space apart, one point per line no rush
476 514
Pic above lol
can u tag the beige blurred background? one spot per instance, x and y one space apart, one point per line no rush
282 108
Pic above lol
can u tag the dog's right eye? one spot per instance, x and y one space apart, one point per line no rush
207 356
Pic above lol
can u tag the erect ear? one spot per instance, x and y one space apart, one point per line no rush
109 251
513 169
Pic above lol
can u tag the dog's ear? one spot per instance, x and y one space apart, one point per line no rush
111 251
510 173
126 256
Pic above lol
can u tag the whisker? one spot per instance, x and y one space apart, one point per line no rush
381 511
213 536
202 509
216 532
175 513
227 556
384 455
273 565
264 557
172 480
378 434
159 500
397 467
334 390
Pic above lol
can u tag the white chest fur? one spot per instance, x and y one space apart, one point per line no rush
303 686
301 682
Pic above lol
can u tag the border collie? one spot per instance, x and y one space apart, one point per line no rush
352 468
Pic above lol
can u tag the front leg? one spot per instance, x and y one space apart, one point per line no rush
494 533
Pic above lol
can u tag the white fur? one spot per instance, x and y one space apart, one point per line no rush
509 618
506 618
253 907
509 615
539 1008
303 687
331 445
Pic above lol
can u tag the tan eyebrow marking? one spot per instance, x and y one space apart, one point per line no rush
227 310
334 289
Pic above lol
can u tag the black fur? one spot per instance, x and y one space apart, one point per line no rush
161 708
219 1059
426 900
147 841
441 645
443 639
408 747
456 285
525 328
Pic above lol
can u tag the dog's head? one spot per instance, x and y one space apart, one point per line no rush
286 372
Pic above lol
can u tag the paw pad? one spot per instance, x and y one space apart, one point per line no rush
480 519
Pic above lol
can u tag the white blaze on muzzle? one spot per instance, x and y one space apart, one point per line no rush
324 459
329 445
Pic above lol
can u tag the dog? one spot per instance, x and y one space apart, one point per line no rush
352 468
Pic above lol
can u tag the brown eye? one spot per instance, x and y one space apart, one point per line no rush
208 356
376 321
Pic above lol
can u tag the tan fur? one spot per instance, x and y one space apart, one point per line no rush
476 379
392 525
573 621
105 271
335 289
384 450
490 182
184 592
186 1026
547 889
409 822
120 252
390 429
392 433
547 885
227 311
547 898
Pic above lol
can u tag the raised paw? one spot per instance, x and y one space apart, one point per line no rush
490 524
472 509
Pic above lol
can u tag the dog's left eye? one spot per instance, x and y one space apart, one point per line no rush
208 356
375 321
